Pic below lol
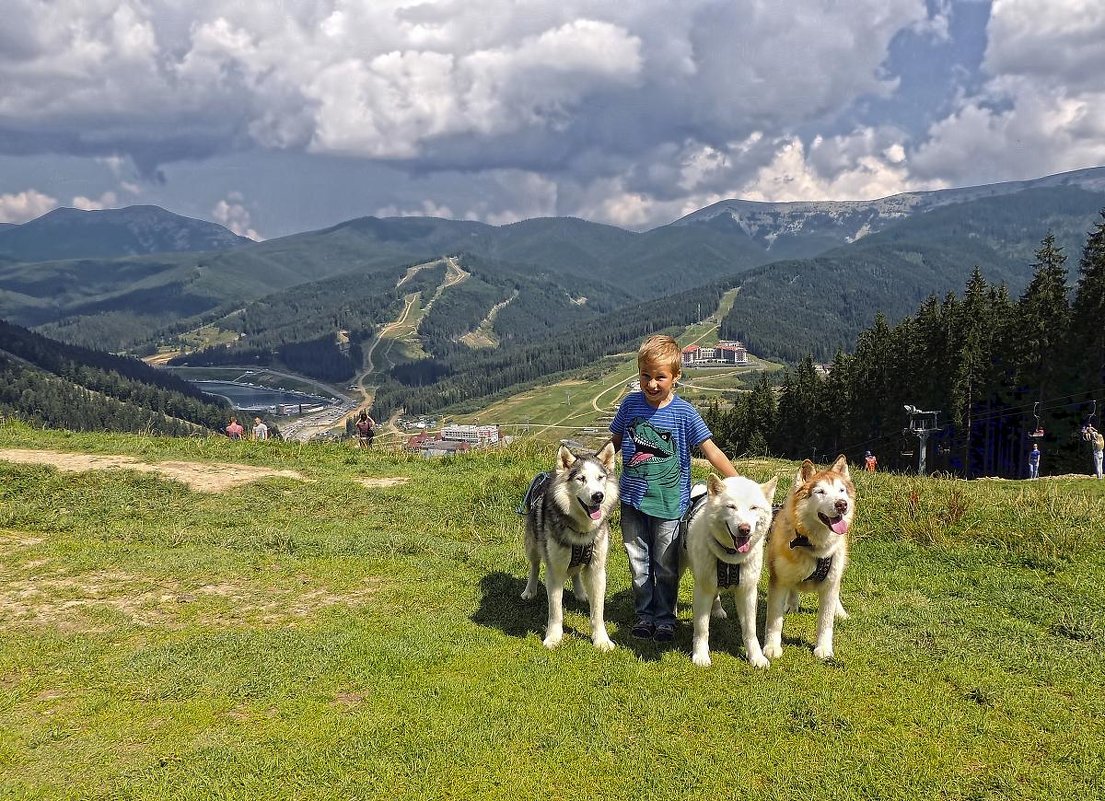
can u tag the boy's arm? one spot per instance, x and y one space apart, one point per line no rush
717 458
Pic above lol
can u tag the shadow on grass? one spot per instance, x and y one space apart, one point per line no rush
502 607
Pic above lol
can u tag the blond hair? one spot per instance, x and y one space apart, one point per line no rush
663 351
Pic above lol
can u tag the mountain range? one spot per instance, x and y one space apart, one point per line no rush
811 275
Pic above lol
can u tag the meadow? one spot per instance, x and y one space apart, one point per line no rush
356 633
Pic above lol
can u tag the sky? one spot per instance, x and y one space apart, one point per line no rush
273 117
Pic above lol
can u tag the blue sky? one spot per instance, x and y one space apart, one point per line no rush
273 118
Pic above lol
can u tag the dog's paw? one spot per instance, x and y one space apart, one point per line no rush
529 595
841 614
823 652
603 643
701 658
719 613
553 640
759 661
773 650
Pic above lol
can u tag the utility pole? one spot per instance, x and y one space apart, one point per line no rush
921 424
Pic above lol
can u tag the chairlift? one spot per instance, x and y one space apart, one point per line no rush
1039 432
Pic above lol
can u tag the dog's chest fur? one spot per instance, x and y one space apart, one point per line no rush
704 553
796 557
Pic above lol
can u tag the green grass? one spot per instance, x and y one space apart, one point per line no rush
321 639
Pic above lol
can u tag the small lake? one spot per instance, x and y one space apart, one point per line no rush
248 397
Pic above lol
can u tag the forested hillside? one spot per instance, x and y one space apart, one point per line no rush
472 377
817 306
996 368
64 386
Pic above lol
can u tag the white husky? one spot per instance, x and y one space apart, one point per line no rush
725 552
568 528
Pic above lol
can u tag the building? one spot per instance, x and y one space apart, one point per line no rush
724 352
440 447
474 435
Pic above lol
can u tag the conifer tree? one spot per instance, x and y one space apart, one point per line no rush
1087 325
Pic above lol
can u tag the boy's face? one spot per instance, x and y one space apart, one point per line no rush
657 383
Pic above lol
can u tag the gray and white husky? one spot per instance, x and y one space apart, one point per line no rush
725 553
567 528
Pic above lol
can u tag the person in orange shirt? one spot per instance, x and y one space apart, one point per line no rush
870 462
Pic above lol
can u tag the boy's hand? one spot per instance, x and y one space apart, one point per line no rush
717 458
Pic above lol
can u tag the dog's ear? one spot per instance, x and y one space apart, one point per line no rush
606 456
804 473
841 466
769 489
564 458
714 485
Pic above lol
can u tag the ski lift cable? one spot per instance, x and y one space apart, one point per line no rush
1016 411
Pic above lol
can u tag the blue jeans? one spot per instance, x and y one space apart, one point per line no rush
653 548
1033 470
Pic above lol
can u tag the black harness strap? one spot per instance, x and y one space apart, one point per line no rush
534 493
581 555
728 575
821 572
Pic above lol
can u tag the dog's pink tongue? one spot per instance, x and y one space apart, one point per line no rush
840 525
596 514
744 548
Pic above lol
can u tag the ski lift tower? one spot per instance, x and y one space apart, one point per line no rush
921 424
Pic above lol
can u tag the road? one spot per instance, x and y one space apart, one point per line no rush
308 427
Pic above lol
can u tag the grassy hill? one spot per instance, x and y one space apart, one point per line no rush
351 628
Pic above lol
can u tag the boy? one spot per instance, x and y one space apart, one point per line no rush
656 430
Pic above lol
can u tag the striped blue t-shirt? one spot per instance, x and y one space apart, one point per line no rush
656 454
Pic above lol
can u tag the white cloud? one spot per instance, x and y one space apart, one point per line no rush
107 200
1042 109
231 213
440 85
22 206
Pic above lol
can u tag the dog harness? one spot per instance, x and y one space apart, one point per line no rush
728 575
821 572
581 555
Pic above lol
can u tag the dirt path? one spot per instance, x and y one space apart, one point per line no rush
199 476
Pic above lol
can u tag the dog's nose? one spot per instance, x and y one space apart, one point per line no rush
596 497
842 506
744 528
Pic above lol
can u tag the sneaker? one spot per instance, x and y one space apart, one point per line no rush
642 630
665 632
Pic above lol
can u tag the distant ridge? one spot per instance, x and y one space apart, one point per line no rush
779 227
112 233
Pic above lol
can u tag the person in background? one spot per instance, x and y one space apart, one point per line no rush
1034 461
1097 443
366 429
870 463
234 430
260 430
